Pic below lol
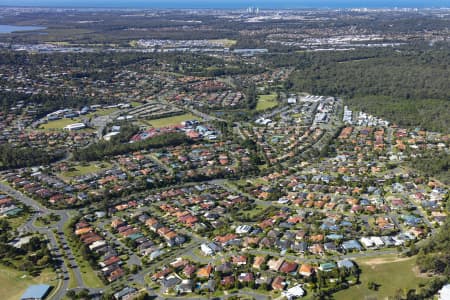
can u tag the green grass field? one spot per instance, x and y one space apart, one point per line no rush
175 120
389 272
80 170
100 112
266 101
59 124
13 283
136 104
89 276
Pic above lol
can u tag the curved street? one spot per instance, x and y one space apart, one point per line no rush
48 231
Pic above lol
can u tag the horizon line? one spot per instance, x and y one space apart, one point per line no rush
143 7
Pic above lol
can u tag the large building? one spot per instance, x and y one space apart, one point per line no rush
36 292
76 126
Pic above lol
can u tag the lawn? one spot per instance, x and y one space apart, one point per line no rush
59 124
266 101
88 274
175 120
389 272
80 170
13 283
136 104
100 112
226 42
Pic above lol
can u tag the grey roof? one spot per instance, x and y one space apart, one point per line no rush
345 263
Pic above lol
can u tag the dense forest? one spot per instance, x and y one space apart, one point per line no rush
11 157
433 256
44 103
110 148
430 114
409 87
434 164
32 257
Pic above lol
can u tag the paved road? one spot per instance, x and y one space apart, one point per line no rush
206 117
48 232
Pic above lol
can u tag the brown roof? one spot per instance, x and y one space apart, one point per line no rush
205 272
278 283
306 270
288 267
259 260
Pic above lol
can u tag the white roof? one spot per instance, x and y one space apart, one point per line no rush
367 242
296 291
75 126
444 293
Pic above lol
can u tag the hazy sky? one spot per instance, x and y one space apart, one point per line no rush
228 3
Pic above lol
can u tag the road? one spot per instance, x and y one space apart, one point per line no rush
48 232
206 117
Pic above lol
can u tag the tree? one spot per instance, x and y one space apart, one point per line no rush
371 285
71 294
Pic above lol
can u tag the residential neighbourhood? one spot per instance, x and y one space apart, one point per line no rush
274 234
224 154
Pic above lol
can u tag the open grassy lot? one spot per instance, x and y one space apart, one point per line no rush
59 124
13 283
80 170
266 101
89 276
136 104
100 112
389 272
225 42
175 120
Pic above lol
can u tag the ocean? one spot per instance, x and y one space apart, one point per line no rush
12 28
230 4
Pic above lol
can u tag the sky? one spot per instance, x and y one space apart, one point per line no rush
228 3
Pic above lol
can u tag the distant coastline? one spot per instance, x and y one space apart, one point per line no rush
231 4
12 28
